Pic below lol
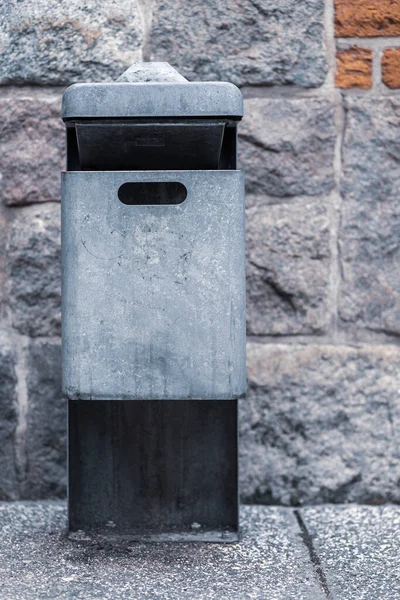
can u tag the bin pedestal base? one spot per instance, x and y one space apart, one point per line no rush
160 470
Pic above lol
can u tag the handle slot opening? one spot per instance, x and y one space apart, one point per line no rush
147 193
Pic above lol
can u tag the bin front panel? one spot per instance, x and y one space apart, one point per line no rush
153 295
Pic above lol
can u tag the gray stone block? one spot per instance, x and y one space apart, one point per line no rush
287 269
358 550
269 562
63 42
34 267
321 424
370 224
31 147
8 422
286 147
352 550
266 41
46 423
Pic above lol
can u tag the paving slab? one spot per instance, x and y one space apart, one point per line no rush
356 550
38 561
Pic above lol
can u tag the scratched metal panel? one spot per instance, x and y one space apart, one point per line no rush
153 296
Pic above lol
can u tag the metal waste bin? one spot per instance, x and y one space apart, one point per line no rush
153 307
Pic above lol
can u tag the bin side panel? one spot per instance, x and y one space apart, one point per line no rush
153 467
153 296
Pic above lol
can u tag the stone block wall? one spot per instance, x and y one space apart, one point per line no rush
320 145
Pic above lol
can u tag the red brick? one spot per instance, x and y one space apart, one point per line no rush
391 68
354 68
367 18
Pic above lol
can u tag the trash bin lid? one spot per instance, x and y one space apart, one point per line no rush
135 96
148 99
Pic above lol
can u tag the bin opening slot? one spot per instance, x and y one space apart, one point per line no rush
120 145
141 193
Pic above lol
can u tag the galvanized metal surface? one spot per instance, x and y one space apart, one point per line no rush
155 471
152 99
151 71
153 296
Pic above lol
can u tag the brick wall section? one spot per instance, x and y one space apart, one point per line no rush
321 422
367 19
